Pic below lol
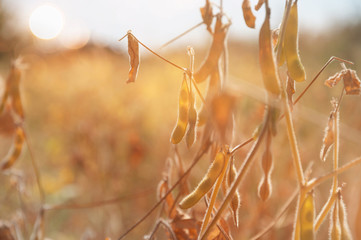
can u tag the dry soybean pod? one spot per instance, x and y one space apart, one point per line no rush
192 121
235 204
290 47
182 121
345 229
15 151
270 78
206 183
215 52
307 216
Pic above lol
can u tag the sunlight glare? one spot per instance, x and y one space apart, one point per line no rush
46 22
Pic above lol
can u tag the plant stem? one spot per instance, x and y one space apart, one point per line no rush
325 210
36 169
181 35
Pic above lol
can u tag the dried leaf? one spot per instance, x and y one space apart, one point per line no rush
333 80
351 82
133 51
248 15
207 15
307 216
15 150
5 232
259 4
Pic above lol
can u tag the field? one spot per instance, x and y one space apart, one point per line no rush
102 146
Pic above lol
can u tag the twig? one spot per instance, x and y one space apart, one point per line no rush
318 74
340 170
278 216
96 203
181 35
35 167
166 225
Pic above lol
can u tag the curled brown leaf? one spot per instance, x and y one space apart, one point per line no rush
133 51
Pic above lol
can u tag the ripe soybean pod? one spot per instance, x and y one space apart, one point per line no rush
15 150
215 52
192 120
206 183
182 122
270 78
307 216
290 47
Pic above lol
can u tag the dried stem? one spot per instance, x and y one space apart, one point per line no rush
36 168
312 184
325 210
95 204
318 74
278 216
166 225
181 35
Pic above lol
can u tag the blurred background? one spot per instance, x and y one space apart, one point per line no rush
96 138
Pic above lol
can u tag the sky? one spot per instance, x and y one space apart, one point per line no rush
156 21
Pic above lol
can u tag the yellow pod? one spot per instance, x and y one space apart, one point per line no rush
206 183
192 120
294 64
307 216
16 149
270 78
182 122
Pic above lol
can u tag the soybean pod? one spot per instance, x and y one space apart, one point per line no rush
192 120
182 121
15 150
206 183
307 216
294 64
270 78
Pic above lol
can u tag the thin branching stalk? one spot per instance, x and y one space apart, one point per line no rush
35 167
181 35
325 210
